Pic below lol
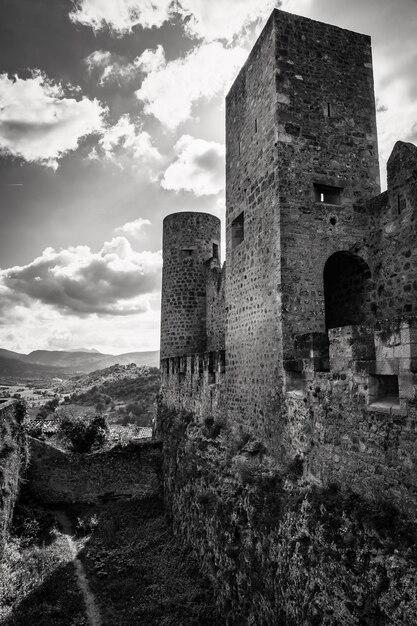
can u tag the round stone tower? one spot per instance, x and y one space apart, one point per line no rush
189 241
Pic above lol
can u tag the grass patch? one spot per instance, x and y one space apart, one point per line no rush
38 586
138 573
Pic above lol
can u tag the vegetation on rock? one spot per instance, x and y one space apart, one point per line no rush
276 548
81 434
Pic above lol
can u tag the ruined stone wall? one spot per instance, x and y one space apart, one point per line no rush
326 137
12 462
392 238
253 298
355 423
188 244
57 477
278 549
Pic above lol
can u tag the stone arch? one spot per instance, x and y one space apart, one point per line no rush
346 279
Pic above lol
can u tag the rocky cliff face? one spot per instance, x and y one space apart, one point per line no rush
13 457
279 550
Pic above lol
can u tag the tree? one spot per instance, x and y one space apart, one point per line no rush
82 433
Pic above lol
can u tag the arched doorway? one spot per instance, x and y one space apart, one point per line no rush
346 286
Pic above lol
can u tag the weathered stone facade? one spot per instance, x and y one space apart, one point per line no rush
308 341
289 421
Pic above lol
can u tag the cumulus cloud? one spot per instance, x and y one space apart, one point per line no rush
38 326
127 145
39 124
199 167
217 19
113 68
171 89
127 135
121 16
133 229
223 19
114 281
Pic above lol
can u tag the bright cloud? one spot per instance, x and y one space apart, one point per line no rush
38 326
133 229
223 19
114 281
170 91
397 119
125 134
121 16
199 167
39 124
217 19
113 68
126 144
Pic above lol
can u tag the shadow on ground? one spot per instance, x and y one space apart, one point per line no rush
135 569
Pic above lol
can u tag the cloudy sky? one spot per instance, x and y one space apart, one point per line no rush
111 117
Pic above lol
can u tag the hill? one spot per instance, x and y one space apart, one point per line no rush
63 364
90 361
127 393
14 369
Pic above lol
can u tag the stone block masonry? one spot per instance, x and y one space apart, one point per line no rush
191 241
288 406
313 319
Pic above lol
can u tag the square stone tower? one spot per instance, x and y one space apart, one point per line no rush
301 158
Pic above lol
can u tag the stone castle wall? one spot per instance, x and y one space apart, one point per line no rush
253 336
305 384
57 477
215 308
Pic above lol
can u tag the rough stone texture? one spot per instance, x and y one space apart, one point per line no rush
253 302
195 383
279 550
300 120
188 240
320 337
12 463
392 254
215 306
57 477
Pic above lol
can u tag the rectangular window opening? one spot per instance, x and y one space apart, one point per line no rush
400 204
222 361
187 253
294 382
238 230
211 368
383 391
239 147
326 194
216 251
329 109
256 125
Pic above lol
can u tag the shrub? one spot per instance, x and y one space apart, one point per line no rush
83 434
87 524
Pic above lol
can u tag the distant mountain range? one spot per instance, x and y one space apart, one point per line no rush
59 363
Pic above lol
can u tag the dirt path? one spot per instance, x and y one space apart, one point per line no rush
93 613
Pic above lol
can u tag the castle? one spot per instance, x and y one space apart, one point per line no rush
307 337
